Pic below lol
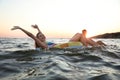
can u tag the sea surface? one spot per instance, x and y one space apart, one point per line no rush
20 61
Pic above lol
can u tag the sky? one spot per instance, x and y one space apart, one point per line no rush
59 18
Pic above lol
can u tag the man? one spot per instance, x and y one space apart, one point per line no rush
82 38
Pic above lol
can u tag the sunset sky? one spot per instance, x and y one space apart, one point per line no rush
59 18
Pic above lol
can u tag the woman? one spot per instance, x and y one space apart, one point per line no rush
40 39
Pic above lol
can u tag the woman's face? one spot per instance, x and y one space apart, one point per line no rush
41 37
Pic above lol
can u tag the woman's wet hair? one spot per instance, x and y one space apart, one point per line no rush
37 35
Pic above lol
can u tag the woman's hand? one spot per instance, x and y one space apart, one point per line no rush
35 26
15 27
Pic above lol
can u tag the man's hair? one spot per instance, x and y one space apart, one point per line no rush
84 30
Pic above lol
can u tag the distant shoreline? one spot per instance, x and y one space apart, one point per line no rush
115 35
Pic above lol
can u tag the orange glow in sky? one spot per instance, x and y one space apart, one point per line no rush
59 18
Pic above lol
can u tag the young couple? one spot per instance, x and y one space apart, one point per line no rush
40 39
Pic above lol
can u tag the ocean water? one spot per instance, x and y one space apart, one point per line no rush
19 61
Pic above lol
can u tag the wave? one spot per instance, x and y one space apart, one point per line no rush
105 77
61 64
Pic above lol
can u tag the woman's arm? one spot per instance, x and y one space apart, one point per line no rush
36 27
39 31
40 43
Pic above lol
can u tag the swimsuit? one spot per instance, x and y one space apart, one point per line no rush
49 44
